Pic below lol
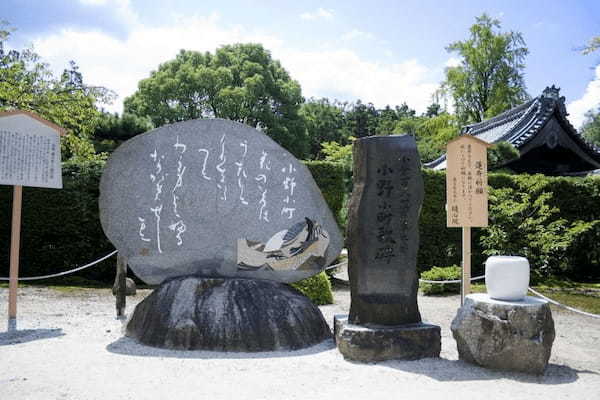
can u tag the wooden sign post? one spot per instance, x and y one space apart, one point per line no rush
466 194
29 156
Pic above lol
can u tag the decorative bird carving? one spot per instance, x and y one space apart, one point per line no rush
287 249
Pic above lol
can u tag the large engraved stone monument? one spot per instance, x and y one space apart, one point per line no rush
217 201
383 240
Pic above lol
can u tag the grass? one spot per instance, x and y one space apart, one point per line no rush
563 294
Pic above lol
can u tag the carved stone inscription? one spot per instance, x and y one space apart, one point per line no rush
383 230
178 199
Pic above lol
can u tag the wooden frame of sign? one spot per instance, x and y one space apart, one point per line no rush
29 156
466 194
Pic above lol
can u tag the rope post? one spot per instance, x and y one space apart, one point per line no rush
15 243
121 284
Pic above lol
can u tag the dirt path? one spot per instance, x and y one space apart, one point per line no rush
70 346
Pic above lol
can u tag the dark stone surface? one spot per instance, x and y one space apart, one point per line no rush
506 335
237 315
379 343
383 235
130 287
176 200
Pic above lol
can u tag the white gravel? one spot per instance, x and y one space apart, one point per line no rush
70 346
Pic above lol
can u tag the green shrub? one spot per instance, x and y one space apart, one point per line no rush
329 177
441 274
526 220
554 221
317 288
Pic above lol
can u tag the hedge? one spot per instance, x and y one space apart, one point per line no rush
61 228
329 177
555 221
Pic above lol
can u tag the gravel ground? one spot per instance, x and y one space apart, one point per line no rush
70 346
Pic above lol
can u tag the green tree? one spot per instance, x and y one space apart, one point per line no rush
240 82
591 128
26 83
500 154
325 122
112 129
432 134
433 110
489 79
593 45
362 119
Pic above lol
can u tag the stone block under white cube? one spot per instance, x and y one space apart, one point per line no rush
505 335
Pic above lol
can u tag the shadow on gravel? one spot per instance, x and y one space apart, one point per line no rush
130 347
455 370
28 335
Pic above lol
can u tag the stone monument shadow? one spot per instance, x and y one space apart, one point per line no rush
130 347
445 370
28 335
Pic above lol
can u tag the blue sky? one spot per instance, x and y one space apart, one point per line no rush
385 52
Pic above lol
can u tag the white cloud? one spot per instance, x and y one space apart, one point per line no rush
344 72
119 64
318 13
452 62
589 101
357 34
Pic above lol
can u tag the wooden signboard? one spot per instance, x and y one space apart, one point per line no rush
29 156
466 193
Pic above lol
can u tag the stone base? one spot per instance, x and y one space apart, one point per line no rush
237 315
505 335
379 342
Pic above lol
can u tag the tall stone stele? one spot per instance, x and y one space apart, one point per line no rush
383 240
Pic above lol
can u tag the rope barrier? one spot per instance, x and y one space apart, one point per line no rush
34 278
452 281
556 303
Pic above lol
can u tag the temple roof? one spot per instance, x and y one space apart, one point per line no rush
521 124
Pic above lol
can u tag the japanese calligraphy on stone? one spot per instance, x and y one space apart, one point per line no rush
183 196
466 183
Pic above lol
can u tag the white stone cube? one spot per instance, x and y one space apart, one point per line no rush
507 277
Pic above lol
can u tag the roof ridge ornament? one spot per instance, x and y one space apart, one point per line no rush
552 93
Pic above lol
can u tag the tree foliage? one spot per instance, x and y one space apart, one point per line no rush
27 83
325 122
121 127
240 82
593 45
500 154
591 128
489 79
524 221
432 134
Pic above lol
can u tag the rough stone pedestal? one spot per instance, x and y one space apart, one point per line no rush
369 343
238 315
506 335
